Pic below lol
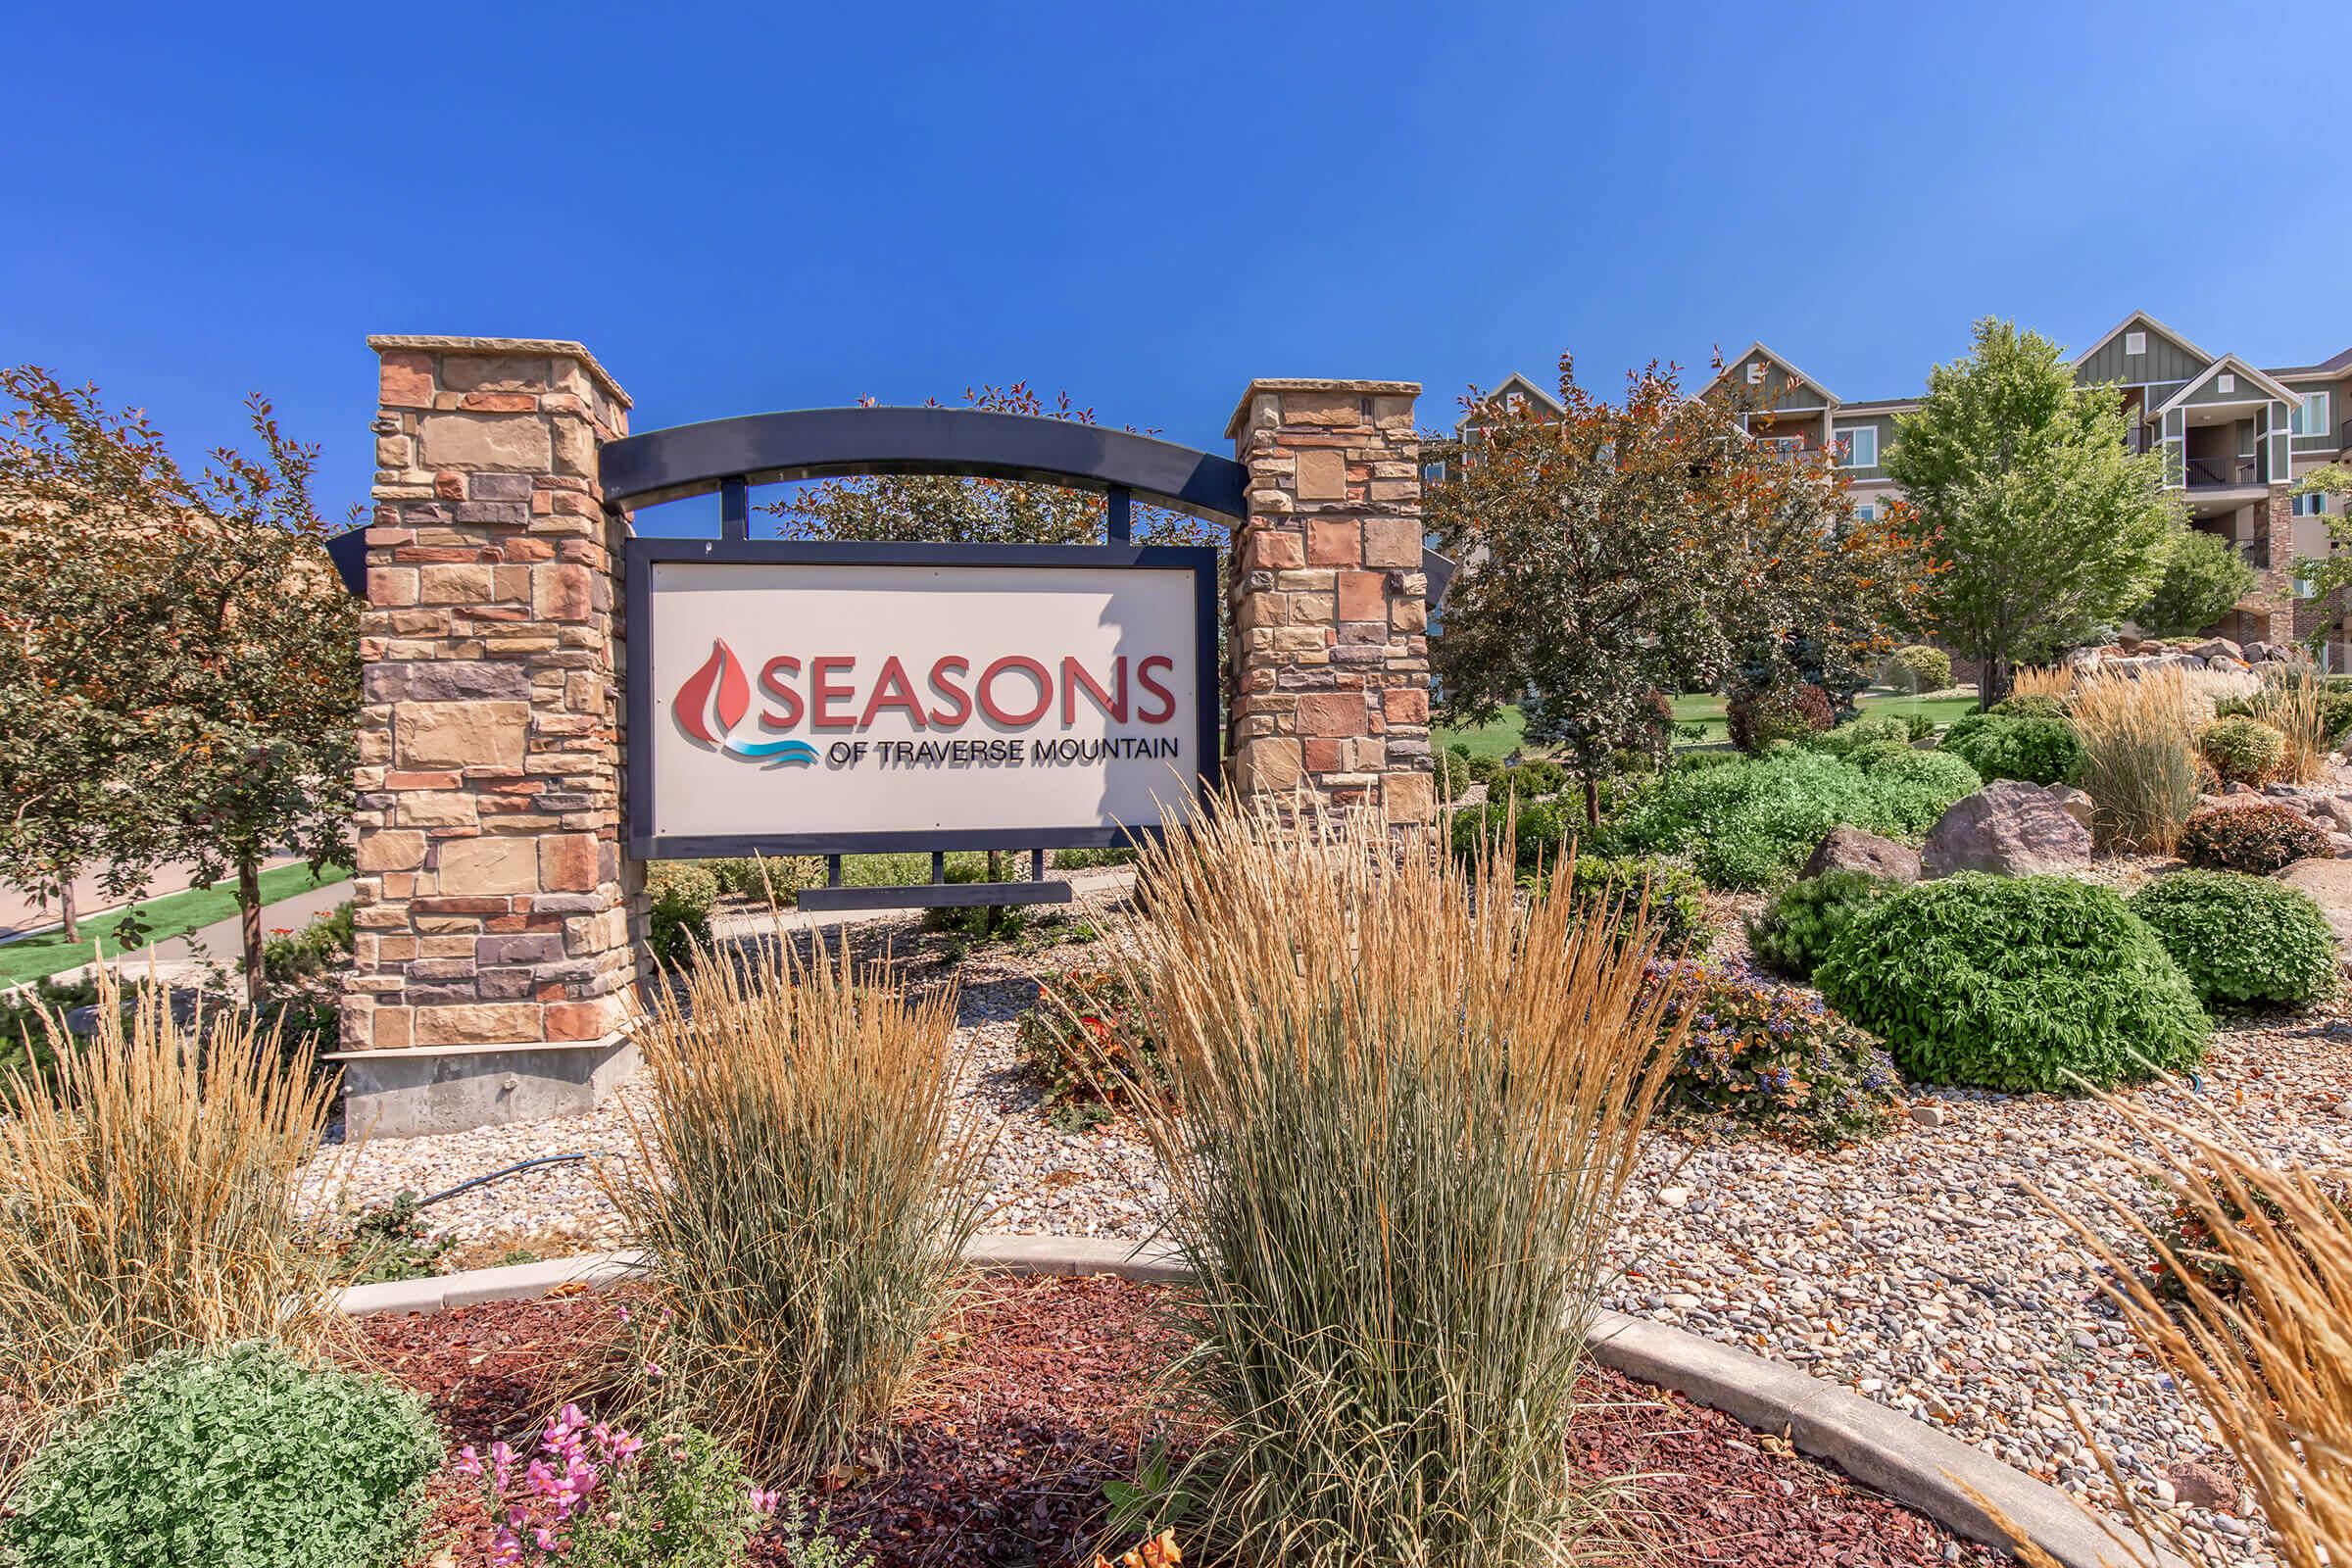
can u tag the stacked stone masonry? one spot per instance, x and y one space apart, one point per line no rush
493 900
1329 646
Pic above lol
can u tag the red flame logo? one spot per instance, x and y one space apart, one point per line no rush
721 672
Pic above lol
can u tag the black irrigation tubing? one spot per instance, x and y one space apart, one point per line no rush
496 1175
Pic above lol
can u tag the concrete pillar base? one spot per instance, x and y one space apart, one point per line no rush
427 1090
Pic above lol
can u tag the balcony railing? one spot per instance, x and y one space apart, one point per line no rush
2205 473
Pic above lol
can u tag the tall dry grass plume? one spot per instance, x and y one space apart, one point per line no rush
2042 680
2139 762
145 1204
1403 1107
802 1194
2271 1361
2296 704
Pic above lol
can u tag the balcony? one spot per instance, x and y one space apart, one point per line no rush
2213 473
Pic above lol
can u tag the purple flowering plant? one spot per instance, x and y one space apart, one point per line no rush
595 1495
1773 1056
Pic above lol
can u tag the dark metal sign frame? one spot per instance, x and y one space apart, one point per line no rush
644 711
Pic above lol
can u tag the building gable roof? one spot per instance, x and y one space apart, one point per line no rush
1513 382
2145 320
2269 384
1788 368
2333 365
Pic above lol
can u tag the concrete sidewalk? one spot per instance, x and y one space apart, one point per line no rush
184 958
20 914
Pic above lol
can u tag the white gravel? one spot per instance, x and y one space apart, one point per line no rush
1918 1269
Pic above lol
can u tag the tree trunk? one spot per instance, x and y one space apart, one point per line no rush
66 913
249 922
1592 802
990 914
1994 679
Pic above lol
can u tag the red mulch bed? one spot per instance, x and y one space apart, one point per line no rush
1000 1460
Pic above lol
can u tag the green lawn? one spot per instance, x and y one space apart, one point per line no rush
175 915
1502 737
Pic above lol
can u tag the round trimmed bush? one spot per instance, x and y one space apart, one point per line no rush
2258 838
2241 940
680 895
2242 749
1758 718
1796 932
243 1458
1855 734
1917 669
1914 788
1533 777
2014 983
2038 751
2028 705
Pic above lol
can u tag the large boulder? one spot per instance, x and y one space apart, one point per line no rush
2328 884
2008 827
1849 849
2219 648
2076 802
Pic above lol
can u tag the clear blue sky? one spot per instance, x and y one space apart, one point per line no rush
778 206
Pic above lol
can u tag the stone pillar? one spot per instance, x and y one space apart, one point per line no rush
1328 684
493 954
2275 525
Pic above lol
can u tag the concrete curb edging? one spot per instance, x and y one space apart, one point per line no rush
1892 1455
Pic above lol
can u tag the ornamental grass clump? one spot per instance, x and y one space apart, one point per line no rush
144 1203
801 1193
2246 1307
1404 1106
2138 762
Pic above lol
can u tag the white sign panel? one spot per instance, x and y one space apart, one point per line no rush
827 701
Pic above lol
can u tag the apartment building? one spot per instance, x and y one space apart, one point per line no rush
2234 437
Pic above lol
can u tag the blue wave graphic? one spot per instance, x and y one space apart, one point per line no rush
774 750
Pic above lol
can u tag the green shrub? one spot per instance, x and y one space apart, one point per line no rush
316 947
2038 751
2028 705
1452 768
682 894
1774 1057
979 922
1538 834
1917 669
1795 931
755 876
2014 983
243 1458
2242 749
1856 734
1484 770
1875 755
1751 821
1676 898
1534 778
2242 939
1757 719
1088 1041
2257 838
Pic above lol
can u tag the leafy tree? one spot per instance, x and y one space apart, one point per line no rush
2204 577
1629 549
80 487
2327 575
2051 528
217 651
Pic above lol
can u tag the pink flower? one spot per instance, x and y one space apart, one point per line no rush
764 1504
653 1369
469 1463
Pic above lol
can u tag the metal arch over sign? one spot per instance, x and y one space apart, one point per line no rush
688 459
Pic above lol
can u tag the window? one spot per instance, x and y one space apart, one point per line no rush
1866 512
2314 505
2314 415
2224 383
1433 474
1756 372
1786 446
1515 401
2135 342
1858 447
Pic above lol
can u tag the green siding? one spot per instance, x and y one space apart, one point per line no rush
1780 390
2210 390
1884 423
2166 359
